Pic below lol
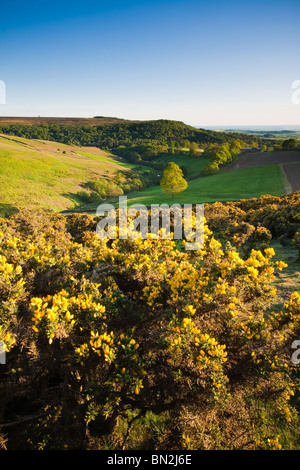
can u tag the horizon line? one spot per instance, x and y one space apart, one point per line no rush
235 126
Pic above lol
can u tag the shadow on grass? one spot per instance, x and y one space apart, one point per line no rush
7 210
79 203
77 200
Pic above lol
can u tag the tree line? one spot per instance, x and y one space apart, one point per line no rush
160 132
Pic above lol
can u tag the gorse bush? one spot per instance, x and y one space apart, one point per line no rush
136 344
261 218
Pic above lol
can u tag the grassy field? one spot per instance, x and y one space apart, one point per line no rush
238 184
193 165
233 185
48 174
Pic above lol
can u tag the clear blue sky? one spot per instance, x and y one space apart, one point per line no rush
202 62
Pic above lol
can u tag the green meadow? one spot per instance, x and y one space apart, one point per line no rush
237 184
225 186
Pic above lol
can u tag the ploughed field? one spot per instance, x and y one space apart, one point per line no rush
292 172
289 161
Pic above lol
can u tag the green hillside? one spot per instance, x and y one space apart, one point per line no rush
48 175
54 176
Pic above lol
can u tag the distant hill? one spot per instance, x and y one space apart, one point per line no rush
61 121
113 132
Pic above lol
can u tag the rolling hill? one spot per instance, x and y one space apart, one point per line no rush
113 132
47 175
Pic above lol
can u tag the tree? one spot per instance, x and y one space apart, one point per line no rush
193 152
210 168
289 144
263 148
173 181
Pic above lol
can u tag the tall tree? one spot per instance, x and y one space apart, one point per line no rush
173 181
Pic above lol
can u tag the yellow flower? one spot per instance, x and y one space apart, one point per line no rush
280 265
189 309
269 252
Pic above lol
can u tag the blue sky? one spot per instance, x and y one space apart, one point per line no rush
204 63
